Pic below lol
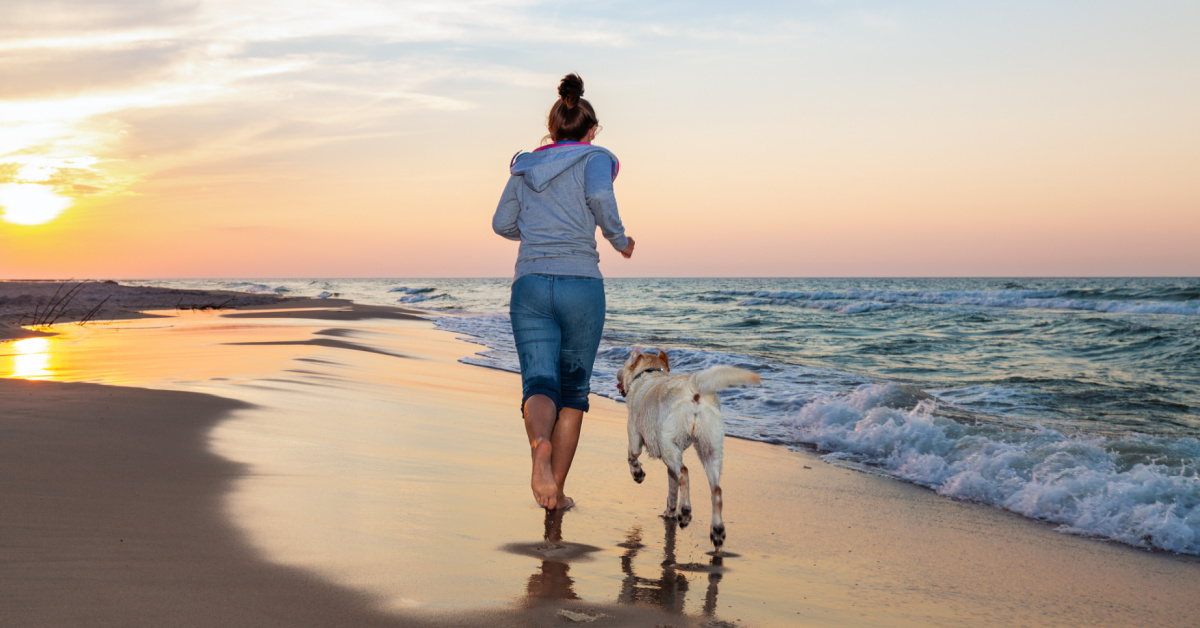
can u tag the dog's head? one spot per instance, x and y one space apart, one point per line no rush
637 362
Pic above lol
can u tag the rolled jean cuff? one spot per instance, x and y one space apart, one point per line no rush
582 406
542 390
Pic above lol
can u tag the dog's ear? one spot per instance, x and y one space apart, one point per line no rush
638 351
666 361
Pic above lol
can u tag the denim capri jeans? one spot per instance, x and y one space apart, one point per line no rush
556 322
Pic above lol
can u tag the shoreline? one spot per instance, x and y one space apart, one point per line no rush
878 549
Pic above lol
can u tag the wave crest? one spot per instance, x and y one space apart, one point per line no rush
1088 484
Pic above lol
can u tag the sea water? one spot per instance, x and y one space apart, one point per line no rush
1071 401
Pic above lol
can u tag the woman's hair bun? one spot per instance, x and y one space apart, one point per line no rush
570 90
571 116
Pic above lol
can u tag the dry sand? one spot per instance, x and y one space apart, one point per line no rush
270 471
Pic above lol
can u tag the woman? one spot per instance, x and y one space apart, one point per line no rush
556 197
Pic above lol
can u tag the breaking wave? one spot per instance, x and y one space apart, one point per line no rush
1139 490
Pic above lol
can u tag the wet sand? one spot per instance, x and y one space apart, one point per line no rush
235 471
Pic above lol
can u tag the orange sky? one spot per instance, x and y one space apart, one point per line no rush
232 139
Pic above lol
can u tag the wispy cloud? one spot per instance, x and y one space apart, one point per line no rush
97 95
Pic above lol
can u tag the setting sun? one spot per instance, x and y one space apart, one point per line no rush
30 203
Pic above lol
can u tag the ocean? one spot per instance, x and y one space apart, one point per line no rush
1071 401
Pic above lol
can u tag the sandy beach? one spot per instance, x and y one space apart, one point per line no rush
325 463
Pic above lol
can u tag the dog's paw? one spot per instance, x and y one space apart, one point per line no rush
639 476
718 535
685 517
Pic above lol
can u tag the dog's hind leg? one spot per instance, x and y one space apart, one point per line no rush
711 458
635 450
674 461
685 498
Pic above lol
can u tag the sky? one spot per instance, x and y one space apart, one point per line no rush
364 138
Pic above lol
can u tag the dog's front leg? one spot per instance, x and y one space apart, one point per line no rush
635 450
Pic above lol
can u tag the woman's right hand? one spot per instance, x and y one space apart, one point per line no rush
628 252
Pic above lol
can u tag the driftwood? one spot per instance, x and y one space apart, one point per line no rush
57 306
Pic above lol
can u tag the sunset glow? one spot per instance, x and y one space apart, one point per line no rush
31 359
30 204
798 139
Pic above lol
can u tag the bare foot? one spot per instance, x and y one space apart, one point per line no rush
545 491
564 503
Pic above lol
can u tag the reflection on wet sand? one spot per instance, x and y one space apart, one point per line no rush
551 581
30 359
669 590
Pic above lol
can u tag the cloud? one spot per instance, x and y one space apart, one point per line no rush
51 73
8 172
121 89
114 92
23 22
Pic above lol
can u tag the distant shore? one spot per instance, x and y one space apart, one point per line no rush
317 462
38 303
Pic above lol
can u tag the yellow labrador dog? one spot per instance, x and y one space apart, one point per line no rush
669 413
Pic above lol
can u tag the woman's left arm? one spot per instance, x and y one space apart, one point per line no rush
504 222
598 191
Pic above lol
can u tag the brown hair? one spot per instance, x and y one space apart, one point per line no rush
571 117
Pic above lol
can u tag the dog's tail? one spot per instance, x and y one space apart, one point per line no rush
719 378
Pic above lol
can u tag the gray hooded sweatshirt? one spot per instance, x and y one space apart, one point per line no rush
554 200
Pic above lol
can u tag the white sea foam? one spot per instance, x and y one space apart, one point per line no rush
246 286
1082 483
408 290
419 297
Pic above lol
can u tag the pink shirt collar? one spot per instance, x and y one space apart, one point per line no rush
562 143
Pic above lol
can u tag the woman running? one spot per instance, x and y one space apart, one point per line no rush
556 197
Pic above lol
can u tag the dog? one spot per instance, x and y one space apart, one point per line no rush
669 413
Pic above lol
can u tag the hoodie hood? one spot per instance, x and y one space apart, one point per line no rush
540 167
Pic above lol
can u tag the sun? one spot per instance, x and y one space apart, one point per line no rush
31 203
